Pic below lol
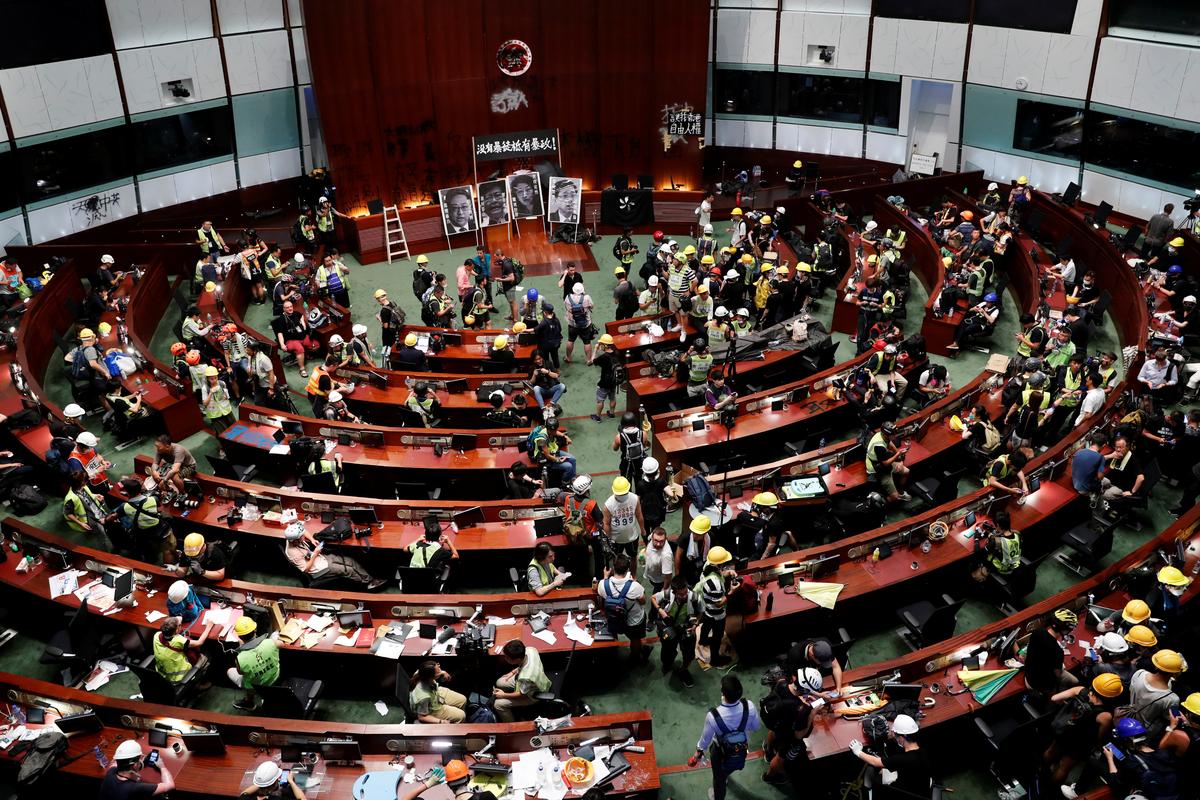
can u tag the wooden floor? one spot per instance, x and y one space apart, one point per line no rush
532 249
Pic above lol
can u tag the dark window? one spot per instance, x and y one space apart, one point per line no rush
1055 16
825 97
9 198
40 32
738 91
937 10
182 138
1144 149
883 104
76 162
1165 16
1048 128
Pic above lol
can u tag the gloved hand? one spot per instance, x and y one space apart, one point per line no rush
855 746
436 775
695 759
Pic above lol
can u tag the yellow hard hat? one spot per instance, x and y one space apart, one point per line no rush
1141 636
1171 576
193 543
797 164
767 499
379 293
606 338
1021 181
87 333
469 319
245 626
947 261
1176 242
208 287
210 371
619 270
105 328
956 424
728 249
689 250
702 289
1169 661
737 212
872 259
747 258
620 485
410 340
1106 684
519 327
700 524
718 555
1192 703
766 219
804 266
709 260
422 259
1135 611
501 342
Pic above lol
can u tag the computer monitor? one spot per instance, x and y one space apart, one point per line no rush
120 581
1071 194
854 452
1006 644
341 750
777 404
801 393
1100 218
823 468
462 442
362 515
548 526
205 743
1035 483
969 519
371 439
223 468
320 483
457 385
84 722
697 425
376 380
903 691
355 619
826 565
451 339
291 427
469 517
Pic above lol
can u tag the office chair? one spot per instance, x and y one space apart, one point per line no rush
1124 508
403 692
291 698
157 689
941 487
1091 541
77 647
926 623
550 703
1010 589
1011 733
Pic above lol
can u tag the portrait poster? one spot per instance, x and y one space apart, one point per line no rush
565 200
493 203
525 192
458 210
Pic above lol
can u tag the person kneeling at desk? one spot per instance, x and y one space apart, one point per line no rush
305 554
269 781
520 686
430 701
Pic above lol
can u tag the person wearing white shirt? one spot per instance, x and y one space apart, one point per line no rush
660 559
704 211
1093 399
623 522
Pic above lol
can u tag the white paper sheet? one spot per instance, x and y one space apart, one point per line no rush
63 583
280 450
381 707
318 622
349 640
154 616
546 636
500 622
217 617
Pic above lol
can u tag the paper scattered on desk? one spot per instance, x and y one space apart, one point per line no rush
388 648
501 621
546 636
83 591
280 449
576 633
443 648
64 583
309 639
318 622
348 640
153 616
291 631
217 617
381 707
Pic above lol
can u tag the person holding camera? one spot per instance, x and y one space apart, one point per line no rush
677 612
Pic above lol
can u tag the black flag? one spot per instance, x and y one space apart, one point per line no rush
627 208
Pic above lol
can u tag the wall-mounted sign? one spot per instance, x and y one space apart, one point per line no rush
522 144
514 58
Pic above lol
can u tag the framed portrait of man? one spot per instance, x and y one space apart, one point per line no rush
525 194
564 200
493 203
458 210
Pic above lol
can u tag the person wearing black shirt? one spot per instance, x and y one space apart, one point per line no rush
549 336
123 780
606 385
625 295
1044 673
1088 293
1159 439
95 305
501 417
409 357
912 768
199 558
651 488
791 721
1081 329
519 484
292 332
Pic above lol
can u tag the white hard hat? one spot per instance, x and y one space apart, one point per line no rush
177 591
809 678
733 273
294 531
993 187
128 750
322 199
336 339
741 312
708 229
582 484
721 311
1113 642
1191 298
671 243
267 774
652 280
87 439
359 329
335 397
73 410
577 289
298 258
650 466
904 725
872 225
780 210
107 259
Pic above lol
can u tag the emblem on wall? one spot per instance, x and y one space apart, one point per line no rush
514 58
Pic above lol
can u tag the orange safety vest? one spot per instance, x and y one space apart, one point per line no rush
314 382
95 474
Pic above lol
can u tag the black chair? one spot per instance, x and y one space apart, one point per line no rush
75 648
291 698
550 703
1011 733
224 468
1010 589
1124 508
1091 541
157 689
403 692
814 361
926 623
422 580
841 647
941 487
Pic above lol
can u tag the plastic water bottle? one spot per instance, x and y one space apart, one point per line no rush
541 780
821 445
100 757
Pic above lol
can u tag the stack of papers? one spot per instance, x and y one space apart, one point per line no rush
575 633
318 622
292 631
388 648
309 639
540 764
65 582
349 639
546 636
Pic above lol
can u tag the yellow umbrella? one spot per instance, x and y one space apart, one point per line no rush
823 594
984 683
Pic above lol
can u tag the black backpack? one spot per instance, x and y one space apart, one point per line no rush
633 446
24 499
79 365
422 280
427 316
43 755
58 453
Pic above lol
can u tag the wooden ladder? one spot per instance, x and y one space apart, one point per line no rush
393 233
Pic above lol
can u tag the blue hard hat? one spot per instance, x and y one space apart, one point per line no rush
532 295
990 297
1175 269
1128 728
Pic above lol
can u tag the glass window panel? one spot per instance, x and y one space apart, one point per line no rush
1163 16
182 138
737 91
1048 128
827 97
75 162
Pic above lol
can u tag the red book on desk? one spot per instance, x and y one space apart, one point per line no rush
366 638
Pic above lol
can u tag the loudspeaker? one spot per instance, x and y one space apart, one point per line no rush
620 181
375 206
